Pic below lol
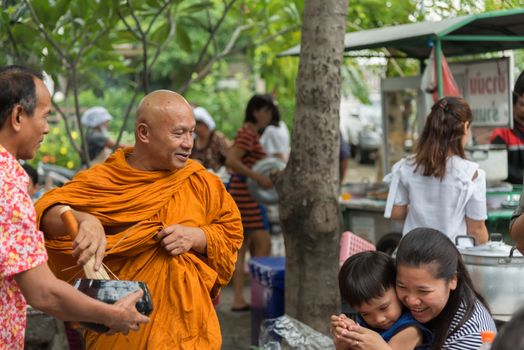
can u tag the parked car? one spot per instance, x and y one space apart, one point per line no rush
369 141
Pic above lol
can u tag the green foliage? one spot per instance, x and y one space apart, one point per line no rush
56 148
95 50
226 105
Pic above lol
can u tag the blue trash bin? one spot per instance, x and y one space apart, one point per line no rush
267 290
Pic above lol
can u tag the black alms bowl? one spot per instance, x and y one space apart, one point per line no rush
110 291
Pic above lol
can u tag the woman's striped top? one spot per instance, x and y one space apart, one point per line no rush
253 214
467 337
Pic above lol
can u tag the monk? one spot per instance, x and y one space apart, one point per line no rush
158 217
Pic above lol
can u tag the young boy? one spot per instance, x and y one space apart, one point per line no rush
367 284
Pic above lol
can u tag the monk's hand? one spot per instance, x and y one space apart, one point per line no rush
178 239
91 240
126 316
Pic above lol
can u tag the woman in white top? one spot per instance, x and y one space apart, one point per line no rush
437 187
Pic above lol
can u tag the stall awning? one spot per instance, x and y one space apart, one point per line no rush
465 35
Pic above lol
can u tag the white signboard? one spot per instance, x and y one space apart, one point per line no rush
486 85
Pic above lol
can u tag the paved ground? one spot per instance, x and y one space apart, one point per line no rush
236 326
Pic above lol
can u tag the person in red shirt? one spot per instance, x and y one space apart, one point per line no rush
25 104
514 138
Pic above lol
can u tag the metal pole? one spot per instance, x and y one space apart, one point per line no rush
438 61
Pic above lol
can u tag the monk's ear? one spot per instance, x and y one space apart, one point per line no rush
15 117
143 134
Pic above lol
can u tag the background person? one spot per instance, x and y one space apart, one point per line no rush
33 187
99 144
25 104
164 219
434 284
244 153
367 283
211 145
438 187
514 138
275 139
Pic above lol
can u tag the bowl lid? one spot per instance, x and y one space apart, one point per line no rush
495 249
265 166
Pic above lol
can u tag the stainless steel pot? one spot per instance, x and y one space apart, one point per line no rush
497 271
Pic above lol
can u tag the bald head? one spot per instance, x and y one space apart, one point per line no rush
163 131
161 103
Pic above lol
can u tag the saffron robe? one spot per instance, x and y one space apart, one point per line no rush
182 287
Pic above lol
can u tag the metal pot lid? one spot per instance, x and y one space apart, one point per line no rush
494 248
265 166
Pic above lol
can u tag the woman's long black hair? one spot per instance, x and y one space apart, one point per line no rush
425 246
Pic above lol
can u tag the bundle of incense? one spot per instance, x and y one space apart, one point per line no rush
71 225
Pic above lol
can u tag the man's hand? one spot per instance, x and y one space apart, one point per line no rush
126 316
178 239
91 240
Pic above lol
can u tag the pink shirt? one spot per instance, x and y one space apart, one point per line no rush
21 248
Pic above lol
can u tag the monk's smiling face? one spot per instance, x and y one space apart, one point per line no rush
164 131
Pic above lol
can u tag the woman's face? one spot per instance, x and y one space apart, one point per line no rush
422 293
264 116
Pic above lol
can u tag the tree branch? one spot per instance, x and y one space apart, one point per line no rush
68 129
40 28
161 47
126 116
128 26
204 70
212 34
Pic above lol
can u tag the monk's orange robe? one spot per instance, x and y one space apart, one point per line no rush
181 286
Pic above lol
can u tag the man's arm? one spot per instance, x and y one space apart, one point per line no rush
91 239
45 292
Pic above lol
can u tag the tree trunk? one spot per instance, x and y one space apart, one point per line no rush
308 187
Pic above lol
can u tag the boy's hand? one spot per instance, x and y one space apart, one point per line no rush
361 338
339 324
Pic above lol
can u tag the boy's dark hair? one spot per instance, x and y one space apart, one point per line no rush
17 86
33 174
366 276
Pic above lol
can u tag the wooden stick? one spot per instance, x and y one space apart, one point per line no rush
69 220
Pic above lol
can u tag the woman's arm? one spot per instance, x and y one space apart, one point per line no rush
406 339
477 229
234 161
399 212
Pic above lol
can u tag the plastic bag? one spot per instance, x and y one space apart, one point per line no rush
287 333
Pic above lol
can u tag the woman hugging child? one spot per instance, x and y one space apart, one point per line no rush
367 283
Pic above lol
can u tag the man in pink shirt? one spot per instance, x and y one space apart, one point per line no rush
25 104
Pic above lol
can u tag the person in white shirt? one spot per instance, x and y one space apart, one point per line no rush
275 140
437 187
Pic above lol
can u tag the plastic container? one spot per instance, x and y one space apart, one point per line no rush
487 339
267 291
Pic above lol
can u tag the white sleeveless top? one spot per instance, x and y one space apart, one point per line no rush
441 205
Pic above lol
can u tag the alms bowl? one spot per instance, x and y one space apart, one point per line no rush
110 291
